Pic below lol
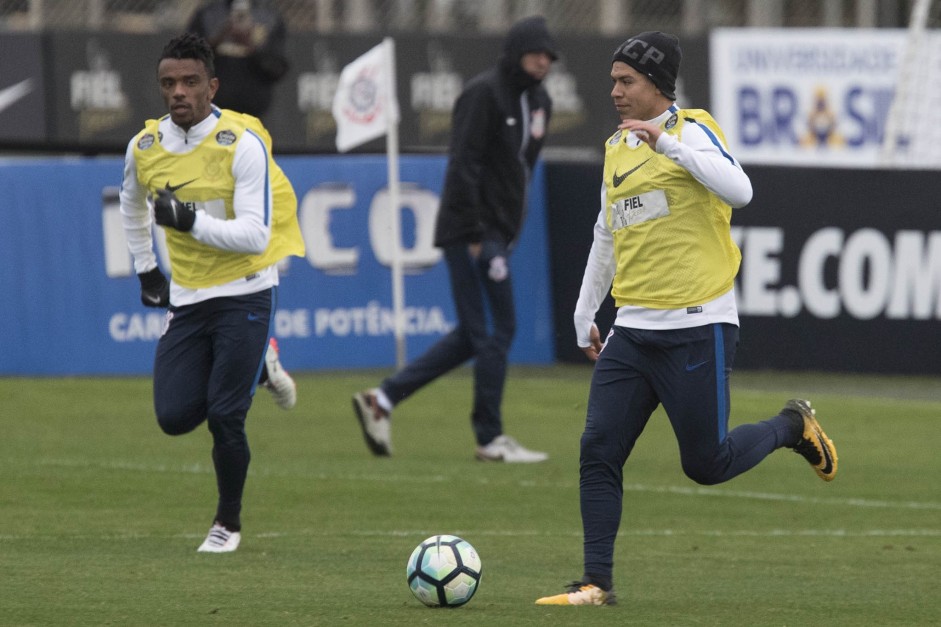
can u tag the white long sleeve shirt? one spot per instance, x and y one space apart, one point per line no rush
710 164
246 233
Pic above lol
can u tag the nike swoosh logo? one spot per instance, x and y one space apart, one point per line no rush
617 180
691 367
252 317
10 95
828 466
154 299
173 188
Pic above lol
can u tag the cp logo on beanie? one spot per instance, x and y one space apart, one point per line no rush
656 55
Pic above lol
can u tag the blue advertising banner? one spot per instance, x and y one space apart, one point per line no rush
71 301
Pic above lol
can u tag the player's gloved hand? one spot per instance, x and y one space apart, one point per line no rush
169 211
154 288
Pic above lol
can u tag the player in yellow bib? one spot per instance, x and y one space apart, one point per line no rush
663 247
229 215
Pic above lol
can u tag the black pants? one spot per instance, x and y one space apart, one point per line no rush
486 315
687 371
206 369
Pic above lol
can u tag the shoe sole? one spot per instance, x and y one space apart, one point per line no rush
361 407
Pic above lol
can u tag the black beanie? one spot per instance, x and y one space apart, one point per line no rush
656 55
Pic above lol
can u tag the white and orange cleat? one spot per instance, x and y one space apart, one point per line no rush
279 382
580 593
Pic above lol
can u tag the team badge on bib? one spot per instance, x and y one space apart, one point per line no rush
225 138
145 142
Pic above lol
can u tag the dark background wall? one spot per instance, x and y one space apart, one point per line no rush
91 92
841 269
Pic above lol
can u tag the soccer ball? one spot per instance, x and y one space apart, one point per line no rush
443 571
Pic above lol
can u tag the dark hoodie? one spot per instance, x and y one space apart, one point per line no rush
489 158
246 83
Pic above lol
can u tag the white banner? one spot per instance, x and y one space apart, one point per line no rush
365 105
808 97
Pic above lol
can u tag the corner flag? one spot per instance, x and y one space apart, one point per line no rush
365 105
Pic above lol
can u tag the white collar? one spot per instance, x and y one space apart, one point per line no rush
196 133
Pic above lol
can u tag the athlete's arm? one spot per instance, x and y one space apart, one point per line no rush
710 163
596 282
250 230
135 216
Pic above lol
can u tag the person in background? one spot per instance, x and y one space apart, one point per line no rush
663 247
499 125
248 40
229 214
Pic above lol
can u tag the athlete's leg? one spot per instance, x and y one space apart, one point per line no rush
181 370
620 402
692 381
240 328
492 347
456 347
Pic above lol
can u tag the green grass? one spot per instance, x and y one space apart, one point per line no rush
100 513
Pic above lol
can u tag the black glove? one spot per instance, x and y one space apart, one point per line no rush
169 211
154 289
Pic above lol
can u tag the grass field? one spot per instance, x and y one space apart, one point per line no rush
100 513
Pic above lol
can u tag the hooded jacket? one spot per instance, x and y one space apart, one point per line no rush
495 143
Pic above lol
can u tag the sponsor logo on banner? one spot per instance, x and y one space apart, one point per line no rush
864 273
568 108
433 95
810 97
315 91
96 94
12 94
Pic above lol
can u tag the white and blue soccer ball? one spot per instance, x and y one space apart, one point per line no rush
443 571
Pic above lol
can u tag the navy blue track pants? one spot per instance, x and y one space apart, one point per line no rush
687 371
206 369
486 323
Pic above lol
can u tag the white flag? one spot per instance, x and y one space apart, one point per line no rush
365 105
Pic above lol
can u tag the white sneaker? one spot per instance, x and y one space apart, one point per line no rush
220 540
506 449
279 383
375 421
